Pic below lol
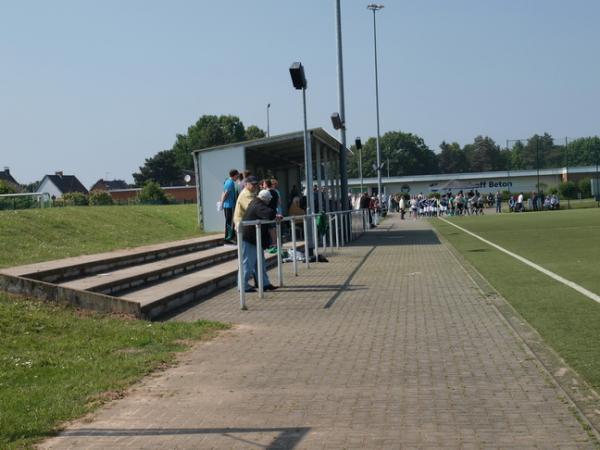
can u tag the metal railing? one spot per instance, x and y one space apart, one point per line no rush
348 225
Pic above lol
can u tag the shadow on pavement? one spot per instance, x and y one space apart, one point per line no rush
286 437
396 237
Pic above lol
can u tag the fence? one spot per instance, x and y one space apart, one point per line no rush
28 200
348 226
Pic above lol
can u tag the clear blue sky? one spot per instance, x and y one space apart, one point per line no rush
94 87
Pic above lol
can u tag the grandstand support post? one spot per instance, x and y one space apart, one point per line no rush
241 283
306 246
331 232
294 259
342 227
259 259
279 250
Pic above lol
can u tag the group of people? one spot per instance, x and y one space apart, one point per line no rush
536 202
244 198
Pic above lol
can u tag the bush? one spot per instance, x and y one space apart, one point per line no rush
6 188
553 191
152 193
585 187
568 189
75 199
98 198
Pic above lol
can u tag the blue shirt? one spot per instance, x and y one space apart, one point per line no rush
229 187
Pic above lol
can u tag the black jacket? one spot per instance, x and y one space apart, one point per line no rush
257 210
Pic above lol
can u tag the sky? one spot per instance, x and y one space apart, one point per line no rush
93 88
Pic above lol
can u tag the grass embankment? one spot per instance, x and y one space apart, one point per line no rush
57 364
565 242
28 236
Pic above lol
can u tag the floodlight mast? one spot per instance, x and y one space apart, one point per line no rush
358 145
299 82
375 7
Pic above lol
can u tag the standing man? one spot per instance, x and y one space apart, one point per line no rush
258 209
228 200
519 207
498 202
246 196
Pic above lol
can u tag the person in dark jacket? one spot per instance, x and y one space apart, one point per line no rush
258 209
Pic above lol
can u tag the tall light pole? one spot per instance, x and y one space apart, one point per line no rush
299 82
358 145
342 110
375 7
268 125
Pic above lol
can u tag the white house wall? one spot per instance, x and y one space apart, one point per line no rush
49 187
214 167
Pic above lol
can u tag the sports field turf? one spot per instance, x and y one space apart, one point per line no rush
565 242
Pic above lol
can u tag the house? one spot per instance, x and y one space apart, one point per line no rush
7 178
108 185
59 184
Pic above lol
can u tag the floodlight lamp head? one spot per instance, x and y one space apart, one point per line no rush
297 74
336 121
374 7
358 143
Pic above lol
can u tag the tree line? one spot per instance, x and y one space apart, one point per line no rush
407 154
402 153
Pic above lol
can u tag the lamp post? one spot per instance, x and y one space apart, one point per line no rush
268 127
299 82
375 7
340 70
358 145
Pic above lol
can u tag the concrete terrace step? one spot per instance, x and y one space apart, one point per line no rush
135 277
157 300
63 270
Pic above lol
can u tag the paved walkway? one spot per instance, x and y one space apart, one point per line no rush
390 345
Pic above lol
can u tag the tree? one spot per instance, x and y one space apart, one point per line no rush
537 151
153 194
253 132
484 155
208 131
452 158
6 188
583 151
407 154
161 168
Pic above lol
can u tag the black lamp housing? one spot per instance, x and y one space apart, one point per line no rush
358 143
298 77
336 121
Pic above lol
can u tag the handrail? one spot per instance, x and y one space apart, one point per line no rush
344 229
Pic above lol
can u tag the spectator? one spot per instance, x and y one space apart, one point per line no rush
498 198
228 201
519 205
245 197
258 209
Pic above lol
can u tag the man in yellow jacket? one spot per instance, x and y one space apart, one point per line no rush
246 196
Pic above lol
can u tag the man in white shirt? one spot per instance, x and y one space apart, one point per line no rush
520 202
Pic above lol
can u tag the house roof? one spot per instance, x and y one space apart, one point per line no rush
6 176
67 183
109 185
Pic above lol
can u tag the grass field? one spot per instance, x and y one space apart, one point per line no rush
56 363
565 242
38 235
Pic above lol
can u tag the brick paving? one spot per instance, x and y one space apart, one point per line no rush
408 354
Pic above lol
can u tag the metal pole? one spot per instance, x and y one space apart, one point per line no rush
377 109
279 250
537 157
342 109
259 257
316 238
268 125
330 217
294 260
360 170
337 232
319 177
241 280
306 258
567 162
310 201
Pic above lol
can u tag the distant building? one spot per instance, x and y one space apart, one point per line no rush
59 184
8 178
109 185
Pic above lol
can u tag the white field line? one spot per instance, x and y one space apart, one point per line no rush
554 276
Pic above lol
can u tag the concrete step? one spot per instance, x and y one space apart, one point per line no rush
64 270
156 300
142 275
